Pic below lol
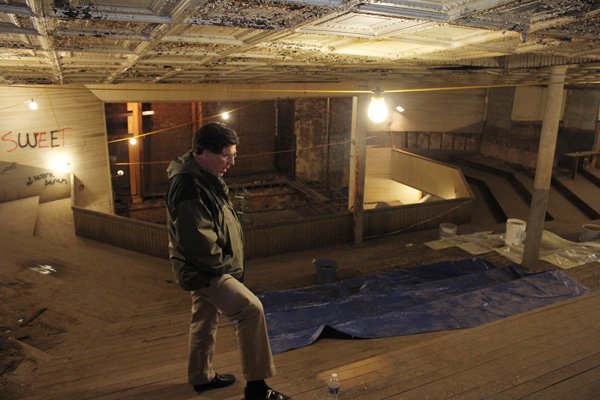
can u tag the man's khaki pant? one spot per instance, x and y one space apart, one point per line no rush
228 296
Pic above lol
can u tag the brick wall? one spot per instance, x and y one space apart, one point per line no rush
175 122
322 140
255 124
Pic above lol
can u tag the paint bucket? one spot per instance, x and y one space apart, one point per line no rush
326 270
447 230
515 231
589 232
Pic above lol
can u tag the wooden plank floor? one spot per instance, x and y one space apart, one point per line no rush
19 216
124 332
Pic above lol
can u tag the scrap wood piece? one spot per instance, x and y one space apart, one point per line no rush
33 317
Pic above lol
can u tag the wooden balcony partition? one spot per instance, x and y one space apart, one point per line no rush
309 232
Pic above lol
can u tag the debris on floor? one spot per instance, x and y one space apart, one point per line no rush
553 249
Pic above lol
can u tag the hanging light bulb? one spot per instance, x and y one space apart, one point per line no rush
132 141
225 115
32 104
378 111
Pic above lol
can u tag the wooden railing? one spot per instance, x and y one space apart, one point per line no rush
308 233
313 232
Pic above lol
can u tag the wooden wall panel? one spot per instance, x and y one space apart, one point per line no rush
442 111
309 233
430 176
69 124
19 181
143 237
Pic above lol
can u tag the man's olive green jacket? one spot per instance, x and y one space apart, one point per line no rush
205 235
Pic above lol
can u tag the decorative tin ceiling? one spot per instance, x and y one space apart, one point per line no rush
279 41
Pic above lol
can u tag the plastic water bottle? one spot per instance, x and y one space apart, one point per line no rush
333 387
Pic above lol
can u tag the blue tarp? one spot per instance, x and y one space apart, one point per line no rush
447 295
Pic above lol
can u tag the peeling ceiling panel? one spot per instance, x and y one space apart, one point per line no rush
583 29
248 41
103 29
256 14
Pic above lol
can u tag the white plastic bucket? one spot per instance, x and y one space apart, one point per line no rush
515 231
447 230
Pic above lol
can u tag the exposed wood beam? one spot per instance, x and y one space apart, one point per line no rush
14 29
16 9
40 9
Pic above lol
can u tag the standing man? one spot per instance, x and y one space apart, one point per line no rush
207 256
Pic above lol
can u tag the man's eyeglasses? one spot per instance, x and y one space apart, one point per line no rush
229 157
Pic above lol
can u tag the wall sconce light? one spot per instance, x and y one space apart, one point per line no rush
225 115
378 111
32 104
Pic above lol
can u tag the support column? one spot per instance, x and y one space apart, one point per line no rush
543 169
134 127
595 162
196 116
358 156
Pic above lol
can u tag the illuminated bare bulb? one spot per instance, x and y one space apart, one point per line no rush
120 172
60 164
225 115
32 104
399 108
133 141
378 111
